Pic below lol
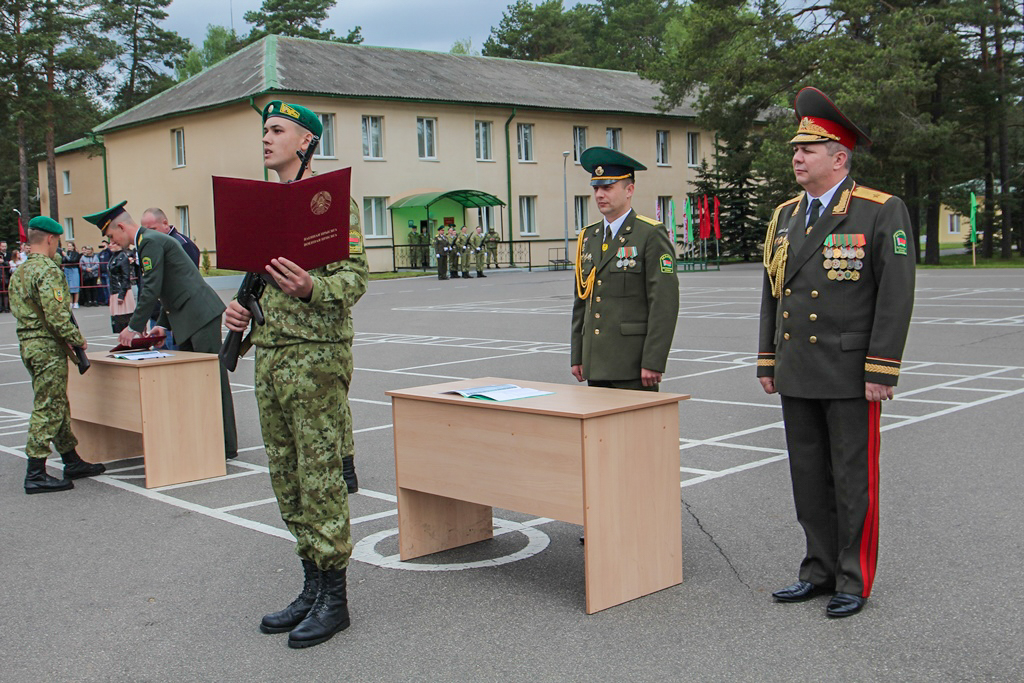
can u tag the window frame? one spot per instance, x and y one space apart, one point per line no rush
484 127
579 142
326 149
693 150
69 229
662 147
613 135
528 210
178 147
184 225
369 218
66 177
581 219
524 143
366 128
421 137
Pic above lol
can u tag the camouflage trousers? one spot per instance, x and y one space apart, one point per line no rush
302 394
492 255
51 413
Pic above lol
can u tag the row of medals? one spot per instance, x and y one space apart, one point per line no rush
843 263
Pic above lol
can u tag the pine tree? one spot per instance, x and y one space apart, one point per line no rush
296 18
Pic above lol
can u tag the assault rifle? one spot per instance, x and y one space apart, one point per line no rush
80 359
253 284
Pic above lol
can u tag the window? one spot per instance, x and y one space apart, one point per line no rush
954 223
692 149
661 147
483 141
614 138
178 140
581 202
524 139
67 182
69 228
375 216
183 225
527 215
665 211
426 133
486 217
373 137
326 146
579 142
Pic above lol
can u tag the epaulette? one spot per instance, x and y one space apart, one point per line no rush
645 219
871 195
790 201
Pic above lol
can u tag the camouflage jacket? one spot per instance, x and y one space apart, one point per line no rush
40 280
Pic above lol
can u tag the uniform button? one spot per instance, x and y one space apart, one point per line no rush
785 314
597 315
597 331
813 317
813 340
814 294
786 336
597 299
787 292
598 283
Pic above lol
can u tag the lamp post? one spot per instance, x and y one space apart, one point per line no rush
565 204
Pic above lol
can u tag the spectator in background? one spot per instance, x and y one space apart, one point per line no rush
156 219
104 255
4 276
89 265
122 301
69 259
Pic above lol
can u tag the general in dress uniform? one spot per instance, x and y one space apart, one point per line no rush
627 293
835 309
41 303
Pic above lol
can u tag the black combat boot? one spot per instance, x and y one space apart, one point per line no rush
454 274
328 615
348 471
480 273
293 614
38 481
466 274
76 468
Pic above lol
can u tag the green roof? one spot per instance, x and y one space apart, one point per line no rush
468 198
80 143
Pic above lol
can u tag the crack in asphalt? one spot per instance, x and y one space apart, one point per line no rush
715 543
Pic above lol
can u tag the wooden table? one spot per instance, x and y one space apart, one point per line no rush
604 458
167 410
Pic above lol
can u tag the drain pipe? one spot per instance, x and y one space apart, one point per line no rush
508 174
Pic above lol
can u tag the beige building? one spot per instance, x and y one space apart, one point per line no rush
408 123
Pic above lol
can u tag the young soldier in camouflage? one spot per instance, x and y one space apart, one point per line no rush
303 370
476 241
40 300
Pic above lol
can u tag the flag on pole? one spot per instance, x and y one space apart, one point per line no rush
705 219
686 219
657 212
974 219
718 231
672 218
21 230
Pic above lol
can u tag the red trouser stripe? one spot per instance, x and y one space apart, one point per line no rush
869 534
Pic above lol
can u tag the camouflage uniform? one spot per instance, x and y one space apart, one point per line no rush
303 371
491 240
40 280
476 241
462 241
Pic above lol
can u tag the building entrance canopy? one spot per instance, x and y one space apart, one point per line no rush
468 198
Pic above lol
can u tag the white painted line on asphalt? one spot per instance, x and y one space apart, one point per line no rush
735 403
465 360
378 495
376 515
11 384
250 448
242 506
371 429
733 470
411 374
691 443
171 487
366 400
694 470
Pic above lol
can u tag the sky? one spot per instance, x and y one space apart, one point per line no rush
420 24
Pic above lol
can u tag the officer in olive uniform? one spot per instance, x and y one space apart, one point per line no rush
627 293
414 247
303 371
454 254
41 303
188 306
491 240
441 248
476 243
835 310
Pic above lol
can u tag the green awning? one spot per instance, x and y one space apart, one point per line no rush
468 198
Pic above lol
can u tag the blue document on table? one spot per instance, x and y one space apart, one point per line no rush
499 392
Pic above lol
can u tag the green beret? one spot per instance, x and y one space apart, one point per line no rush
101 219
608 166
46 224
297 113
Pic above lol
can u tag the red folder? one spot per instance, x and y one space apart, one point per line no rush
142 342
305 221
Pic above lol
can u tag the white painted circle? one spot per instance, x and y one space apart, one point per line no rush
366 551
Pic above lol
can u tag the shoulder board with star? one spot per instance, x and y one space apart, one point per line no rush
645 219
790 201
598 225
871 195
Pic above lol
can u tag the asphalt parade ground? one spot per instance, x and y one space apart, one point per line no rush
114 582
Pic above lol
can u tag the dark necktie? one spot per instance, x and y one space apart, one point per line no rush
607 234
815 212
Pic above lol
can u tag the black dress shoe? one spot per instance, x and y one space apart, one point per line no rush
800 591
844 605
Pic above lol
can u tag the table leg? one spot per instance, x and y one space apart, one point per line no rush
429 524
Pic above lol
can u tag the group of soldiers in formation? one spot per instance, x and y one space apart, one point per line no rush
455 251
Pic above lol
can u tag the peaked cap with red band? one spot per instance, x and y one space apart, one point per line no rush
821 121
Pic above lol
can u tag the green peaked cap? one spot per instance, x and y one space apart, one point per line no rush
297 113
46 224
608 166
102 219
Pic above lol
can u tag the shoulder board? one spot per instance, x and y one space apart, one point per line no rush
871 195
645 219
790 201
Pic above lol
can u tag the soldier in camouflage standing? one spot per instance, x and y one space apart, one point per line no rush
414 247
40 301
463 243
302 375
491 241
454 253
441 248
476 241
